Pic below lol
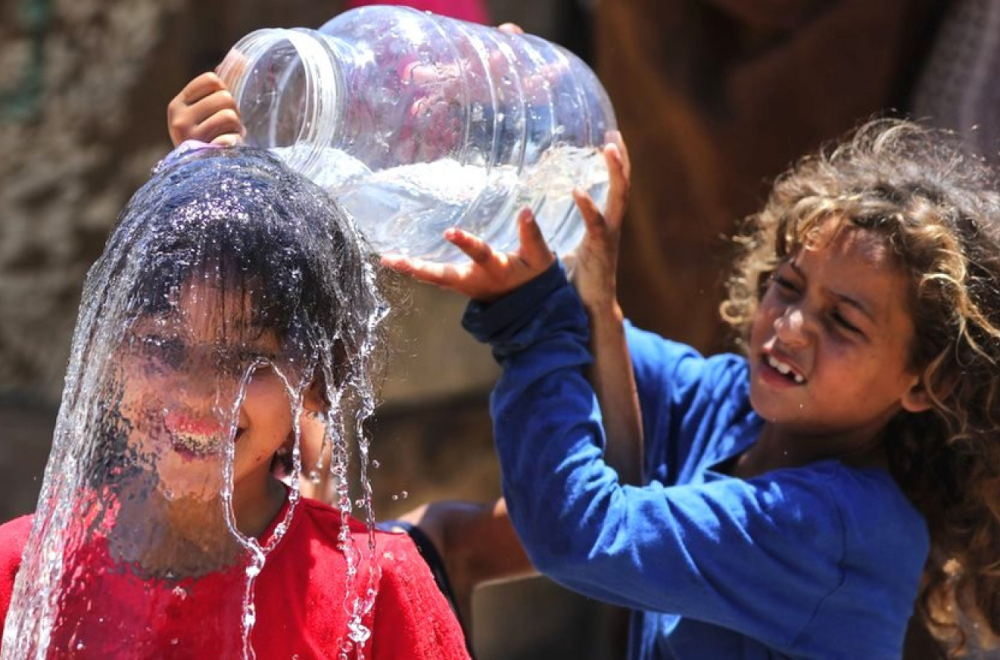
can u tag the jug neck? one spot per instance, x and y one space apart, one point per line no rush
289 87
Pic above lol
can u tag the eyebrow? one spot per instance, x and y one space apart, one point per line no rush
844 298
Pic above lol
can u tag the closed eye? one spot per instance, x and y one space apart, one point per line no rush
839 319
238 361
170 351
785 286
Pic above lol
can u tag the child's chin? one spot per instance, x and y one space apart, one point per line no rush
766 406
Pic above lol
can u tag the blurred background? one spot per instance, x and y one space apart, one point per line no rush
714 98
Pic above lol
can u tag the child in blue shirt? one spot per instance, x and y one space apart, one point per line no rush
795 501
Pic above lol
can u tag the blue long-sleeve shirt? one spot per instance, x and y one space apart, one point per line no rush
820 561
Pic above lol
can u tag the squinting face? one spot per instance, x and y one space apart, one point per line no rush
181 377
830 340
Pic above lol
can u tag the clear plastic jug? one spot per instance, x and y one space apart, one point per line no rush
417 123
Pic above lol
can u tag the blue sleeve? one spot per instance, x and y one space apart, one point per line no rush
685 399
752 556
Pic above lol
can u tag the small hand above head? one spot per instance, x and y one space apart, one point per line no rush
205 110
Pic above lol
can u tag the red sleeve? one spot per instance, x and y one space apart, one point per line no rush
13 536
412 619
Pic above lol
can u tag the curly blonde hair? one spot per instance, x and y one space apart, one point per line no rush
939 211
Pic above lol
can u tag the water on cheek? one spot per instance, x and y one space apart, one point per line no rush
267 404
111 424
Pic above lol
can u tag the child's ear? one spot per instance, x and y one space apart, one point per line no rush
918 398
314 399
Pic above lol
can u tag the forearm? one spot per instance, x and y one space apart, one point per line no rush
480 547
548 427
477 544
595 278
485 547
614 383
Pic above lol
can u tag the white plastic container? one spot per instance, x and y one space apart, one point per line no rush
417 123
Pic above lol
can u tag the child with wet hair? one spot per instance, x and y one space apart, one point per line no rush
800 499
232 317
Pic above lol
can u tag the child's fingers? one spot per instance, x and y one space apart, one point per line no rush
228 140
474 247
191 114
618 189
224 123
398 262
534 249
615 138
592 217
510 28
443 275
203 85
214 103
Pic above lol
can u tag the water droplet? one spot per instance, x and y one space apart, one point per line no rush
359 633
249 616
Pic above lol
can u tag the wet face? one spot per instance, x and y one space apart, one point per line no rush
182 376
830 341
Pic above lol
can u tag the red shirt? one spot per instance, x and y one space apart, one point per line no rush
299 599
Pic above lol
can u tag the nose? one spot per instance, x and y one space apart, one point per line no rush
792 327
204 382
198 391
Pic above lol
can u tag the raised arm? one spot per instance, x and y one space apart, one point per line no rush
593 269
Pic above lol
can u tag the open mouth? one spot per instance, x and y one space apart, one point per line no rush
783 370
195 446
194 437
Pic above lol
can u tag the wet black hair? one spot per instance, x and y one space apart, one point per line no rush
242 220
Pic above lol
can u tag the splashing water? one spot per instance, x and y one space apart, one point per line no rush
231 297
406 209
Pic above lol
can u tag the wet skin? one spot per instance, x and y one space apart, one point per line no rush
182 377
829 353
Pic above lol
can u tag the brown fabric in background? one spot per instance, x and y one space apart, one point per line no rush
715 98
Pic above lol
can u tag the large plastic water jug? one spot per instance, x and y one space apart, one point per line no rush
417 122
